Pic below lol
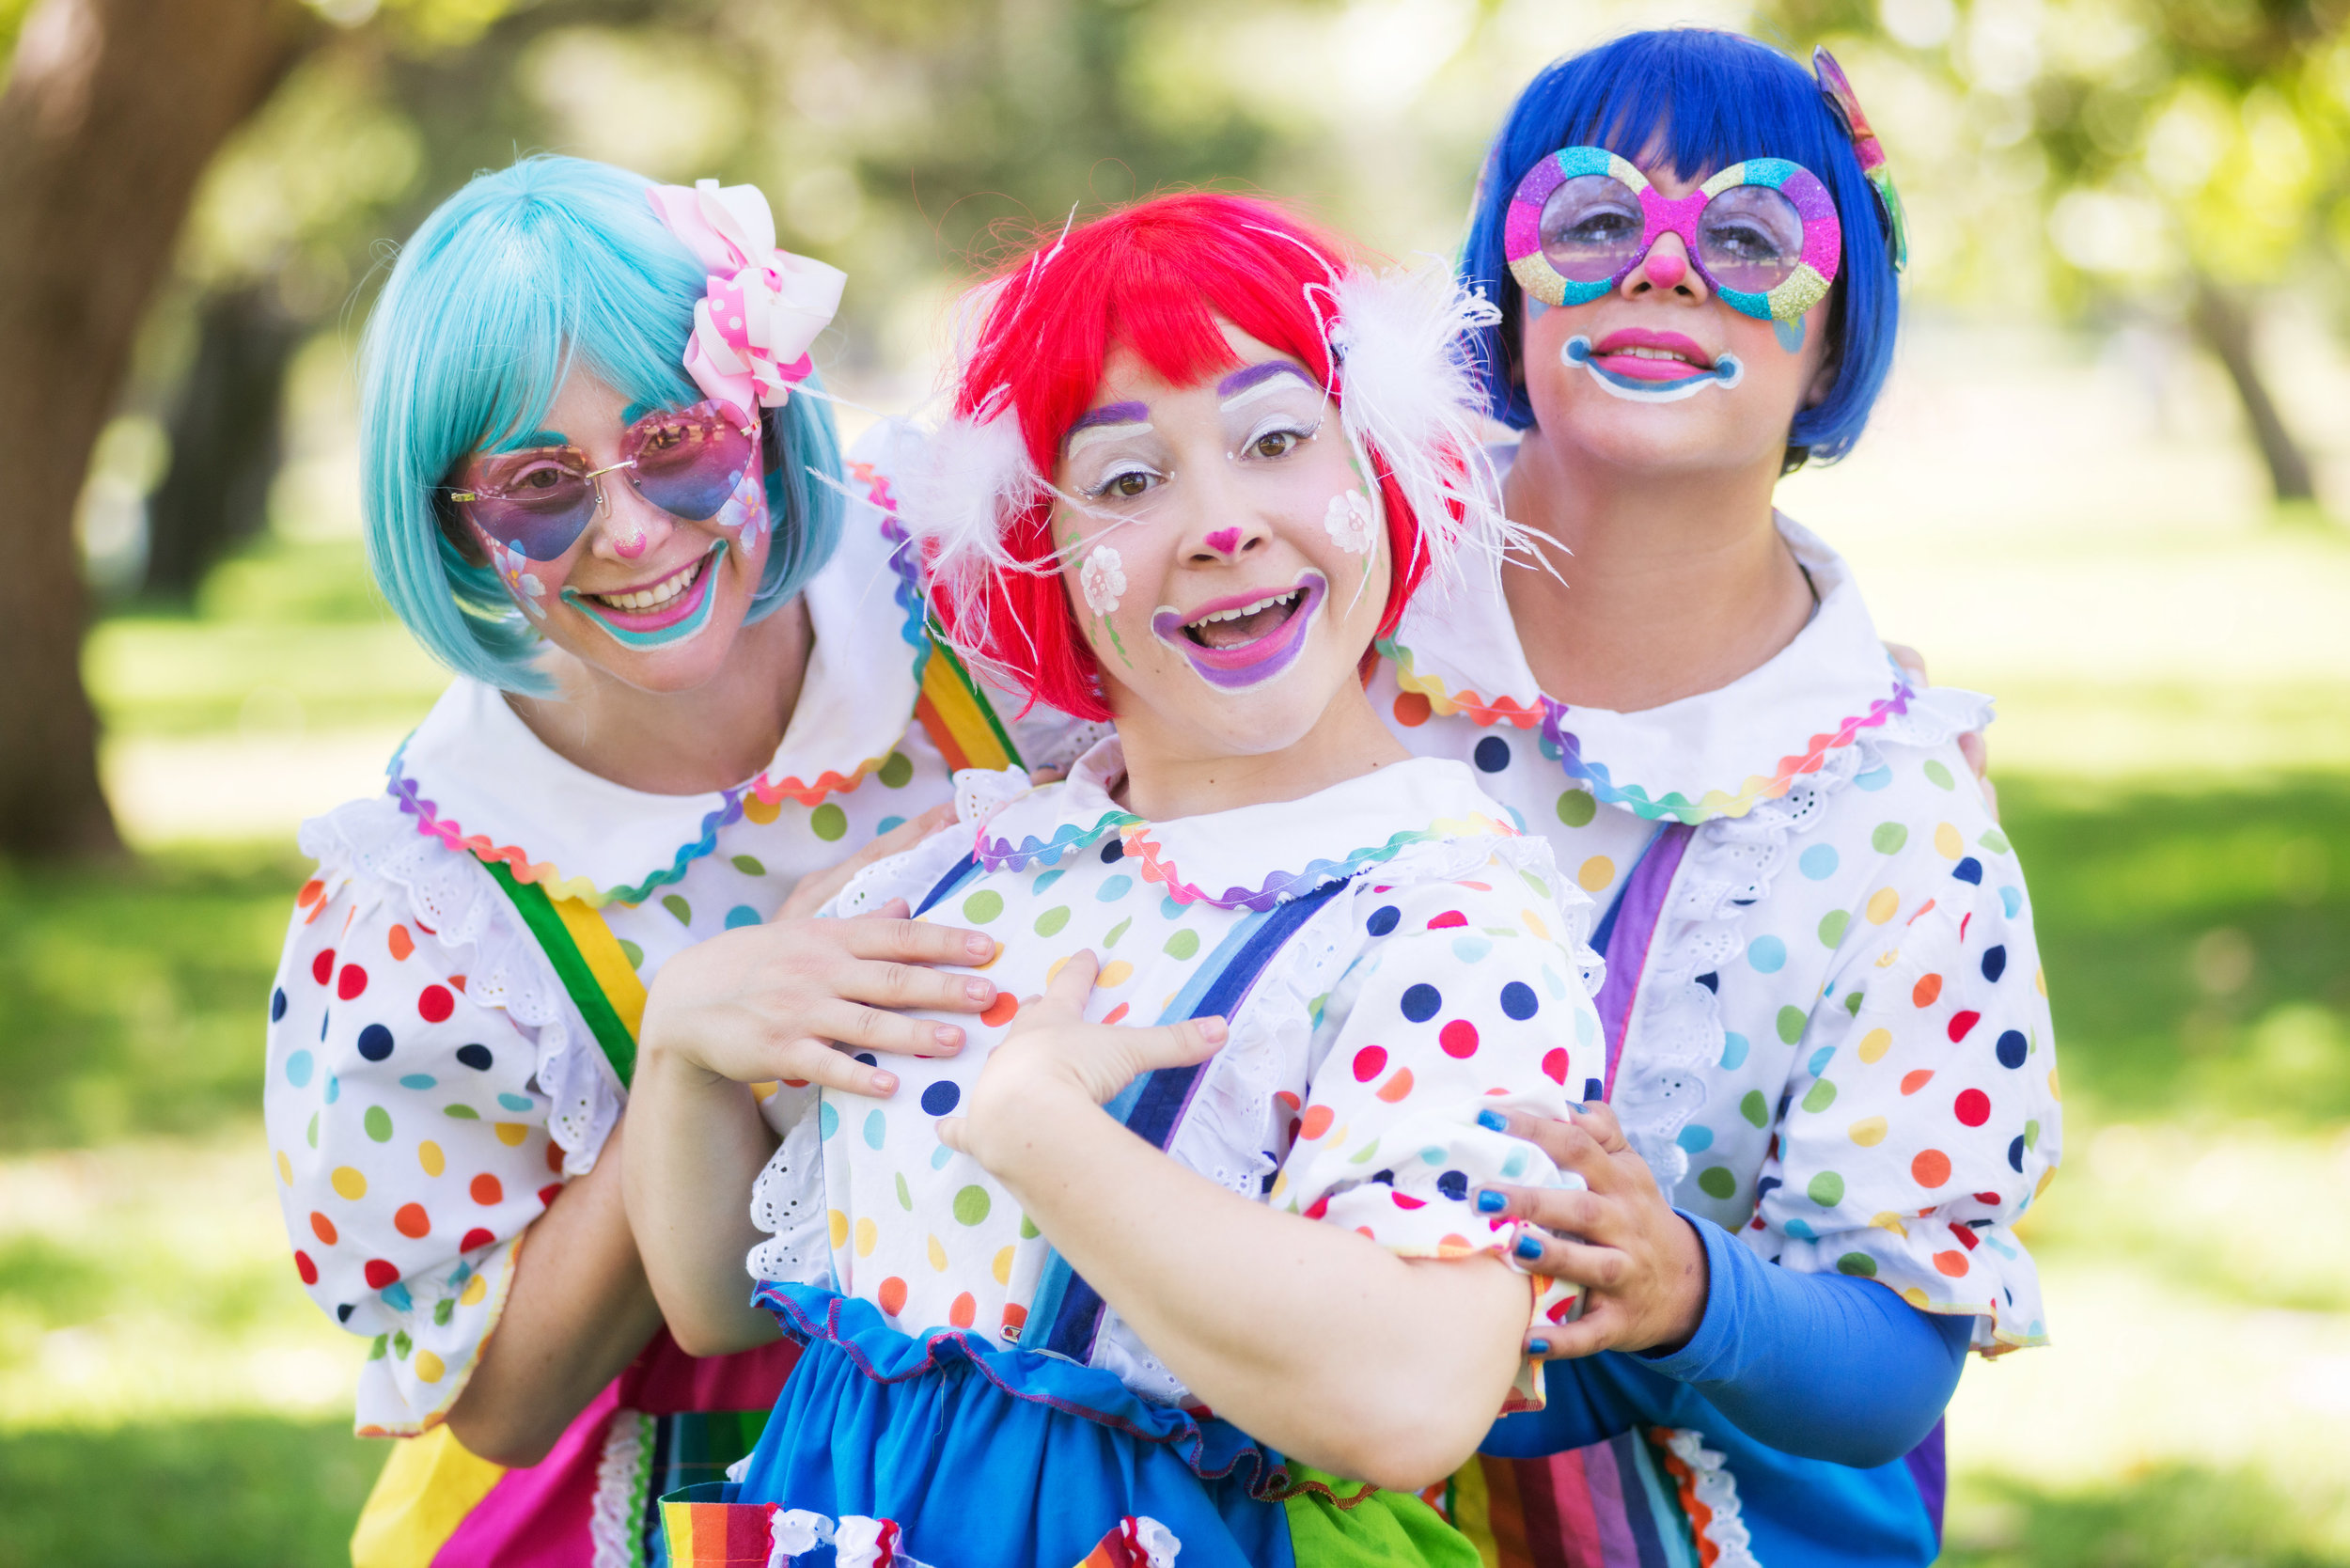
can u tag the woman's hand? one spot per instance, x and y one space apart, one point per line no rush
771 1001
1641 1265
1051 1053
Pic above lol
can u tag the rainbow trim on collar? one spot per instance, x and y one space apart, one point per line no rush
1564 747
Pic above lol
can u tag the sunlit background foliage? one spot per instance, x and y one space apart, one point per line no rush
2107 485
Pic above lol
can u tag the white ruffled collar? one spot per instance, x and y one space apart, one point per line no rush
474 776
1717 754
1251 857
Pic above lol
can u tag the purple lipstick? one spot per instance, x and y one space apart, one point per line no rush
1243 639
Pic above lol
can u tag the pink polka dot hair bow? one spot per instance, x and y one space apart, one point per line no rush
764 306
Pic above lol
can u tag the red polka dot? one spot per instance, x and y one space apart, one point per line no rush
487 1189
1316 1120
323 1228
1913 1082
1990 1198
309 1270
436 1004
1319 1207
963 1311
1554 1065
1961 1022
1405 1201
796 1083
380 1273
1926 990
1930 1168
555 1157
1411 710
1287 1101
1966 1238
1447 920
547 1194
352 981
1952 1263
1458 1038
322 967
893 1296
476 1238
1973 1107
1000 1011
1369 1061
411 1221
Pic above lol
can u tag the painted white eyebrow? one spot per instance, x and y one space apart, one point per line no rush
1270 377
1094 433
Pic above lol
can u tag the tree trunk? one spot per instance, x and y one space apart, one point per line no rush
112 109
223 439
2225 327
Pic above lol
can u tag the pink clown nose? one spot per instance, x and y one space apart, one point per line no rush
1666 268
631 547
1224 541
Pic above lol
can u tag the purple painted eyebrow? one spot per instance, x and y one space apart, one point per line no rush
1241 381
1112 413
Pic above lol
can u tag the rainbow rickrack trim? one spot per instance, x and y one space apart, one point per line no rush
1002 854
1282 885
1566 747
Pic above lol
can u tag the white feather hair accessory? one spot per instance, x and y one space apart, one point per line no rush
973 473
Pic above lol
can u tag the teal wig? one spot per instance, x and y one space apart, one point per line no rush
508 284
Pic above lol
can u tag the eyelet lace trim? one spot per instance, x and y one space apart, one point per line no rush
615 1527
449 891
1709 1495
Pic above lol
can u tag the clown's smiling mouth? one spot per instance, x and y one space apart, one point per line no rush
1242 624
1239 641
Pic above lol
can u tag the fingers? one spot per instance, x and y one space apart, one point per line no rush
954 1132
1069 987
1598 1118
908 941
871 1029
896 909
1569 1146
1566 1209
814 1061
1578 1262
1909 659
1598 1328
904 986
1193 1040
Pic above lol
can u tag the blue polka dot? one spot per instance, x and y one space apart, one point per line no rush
1734 1049
1170 909
940 1155
333 1088
1113 850
476 1056
1471 949
395 1296
941 1098
876 1128
1695 1140
740 915
1876 778
1801 1230
2016 1153
1551 982
889 824
1423 1002
1518 1000
1768 954
1818 1064
2013 1048
868 1057
375 1043
1594 1090
1115 889
1968 870
515 1102
2011 900
1995 965
1818 862
1382 919
298 1069
1492 754
1514 1165
277 1004
1047 879
827 1120
417 1080
1516 816
1432 1154
1453 1184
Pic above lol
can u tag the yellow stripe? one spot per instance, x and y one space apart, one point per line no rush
960 712
615 976
427 1486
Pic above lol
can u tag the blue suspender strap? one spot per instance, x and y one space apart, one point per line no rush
1152 1105
1625 934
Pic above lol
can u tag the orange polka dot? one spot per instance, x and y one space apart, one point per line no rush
962 1311
1926 990
1411 710
411 1221
554 1149
1913 1082
1000 1011
487 1189
1395 1088
893 1296
1930 1168
1952 1263
761 811
400 943
323 1228
1115 1013
1316 1122
311 892
1015 1318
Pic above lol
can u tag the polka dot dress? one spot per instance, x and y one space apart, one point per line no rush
1839 1044
1448 974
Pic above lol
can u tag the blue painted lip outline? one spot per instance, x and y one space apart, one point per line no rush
1726 373
677 632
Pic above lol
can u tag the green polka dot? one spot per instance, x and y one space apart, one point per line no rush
2031 1135
1050 922
463 1113
1819 1096
749 865
443 1310
375 1351
1363 1157
971 1205
1542 888
1576 808
1182 943
828 821
1754 1107
402 1346
635 954
896 771
1791 1022
1027 1229
1117 931
312 1133
679 907
1832 926
983 906
1857 1263
1826 1189
1852 1002
1939 777
378 1122
1889 838
905 1199
1993 841
1716 1181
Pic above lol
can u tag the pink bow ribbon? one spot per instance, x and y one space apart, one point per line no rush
764 306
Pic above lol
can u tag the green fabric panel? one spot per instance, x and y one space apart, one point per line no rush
1363 1527
531 903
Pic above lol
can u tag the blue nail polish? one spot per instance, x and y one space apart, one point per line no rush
1493 1121
1578 1107
1538 1347
1529 1248
1490 1202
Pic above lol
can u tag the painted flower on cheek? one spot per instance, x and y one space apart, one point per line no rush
745 509
1102 580
1348 521
514 566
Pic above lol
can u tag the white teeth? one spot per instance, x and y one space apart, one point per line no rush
1655 353
1246 610
655 596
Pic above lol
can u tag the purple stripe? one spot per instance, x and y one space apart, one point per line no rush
1930 1471
1604 1475
1241 381
1639 909
1112 413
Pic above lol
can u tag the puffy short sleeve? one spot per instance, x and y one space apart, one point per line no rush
1468 994
1922 1120
410 1132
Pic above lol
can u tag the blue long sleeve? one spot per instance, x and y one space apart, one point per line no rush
1819 1366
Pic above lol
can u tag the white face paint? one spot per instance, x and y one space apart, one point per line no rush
1348 522
1104 580
1093 436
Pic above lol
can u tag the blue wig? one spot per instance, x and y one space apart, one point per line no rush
504 284
1708 100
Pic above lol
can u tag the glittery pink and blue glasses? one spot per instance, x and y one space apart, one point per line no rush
1762 233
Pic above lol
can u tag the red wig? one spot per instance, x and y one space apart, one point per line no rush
1154 277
